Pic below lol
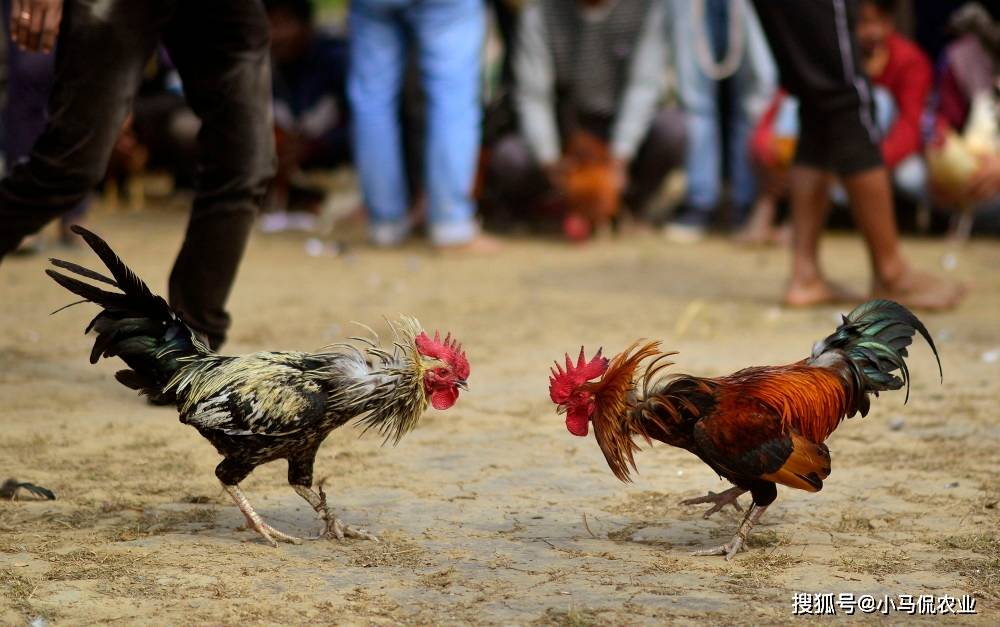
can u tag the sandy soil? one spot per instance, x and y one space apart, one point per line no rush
483 508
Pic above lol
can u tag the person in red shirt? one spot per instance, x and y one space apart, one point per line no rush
898 65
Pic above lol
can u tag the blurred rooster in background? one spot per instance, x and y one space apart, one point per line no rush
757 427
590 186
265 406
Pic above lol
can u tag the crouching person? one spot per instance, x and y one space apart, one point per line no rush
594 135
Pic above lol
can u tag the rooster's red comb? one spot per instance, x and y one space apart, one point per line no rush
449 351
564 381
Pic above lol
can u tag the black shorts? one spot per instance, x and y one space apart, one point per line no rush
813 43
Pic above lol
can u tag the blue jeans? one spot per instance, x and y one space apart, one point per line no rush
751 87
448 36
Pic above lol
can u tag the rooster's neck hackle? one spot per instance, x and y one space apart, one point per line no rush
387 391
614 418
648 406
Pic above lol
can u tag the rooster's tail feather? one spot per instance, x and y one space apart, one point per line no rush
134 324
874 338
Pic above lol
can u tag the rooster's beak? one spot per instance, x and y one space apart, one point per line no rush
462 384
561 409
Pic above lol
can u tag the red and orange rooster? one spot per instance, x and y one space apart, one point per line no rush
590 184
265 406
757 427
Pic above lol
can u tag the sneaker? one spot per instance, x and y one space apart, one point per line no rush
689 226
678 233
388 234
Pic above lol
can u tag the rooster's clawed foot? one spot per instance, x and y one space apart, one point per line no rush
270 534
335 528
255 522
720 500
730 549
733 547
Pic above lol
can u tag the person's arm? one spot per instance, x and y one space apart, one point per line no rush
644 89
535 87
910 94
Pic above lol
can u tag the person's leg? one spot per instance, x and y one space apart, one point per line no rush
703 159
772 180
99 59
378 57
449 36
743 182
815 49
663 149
894 278
758 228
29 80
221 51
513 176
809 197
873 209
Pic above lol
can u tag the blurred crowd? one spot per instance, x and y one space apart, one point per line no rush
577 117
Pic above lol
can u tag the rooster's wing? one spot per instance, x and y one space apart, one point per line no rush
743 439
261 394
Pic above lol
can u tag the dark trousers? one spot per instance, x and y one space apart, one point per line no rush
817 54
515 179
29 80
220 49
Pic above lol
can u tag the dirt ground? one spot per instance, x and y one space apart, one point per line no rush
490 513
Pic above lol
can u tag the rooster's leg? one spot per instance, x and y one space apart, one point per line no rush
255 522
334 526
733 546
720 500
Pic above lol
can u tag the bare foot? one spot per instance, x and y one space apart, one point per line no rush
629 225
818 292
636 228
755 235
921 290
759 227
782 235
482 244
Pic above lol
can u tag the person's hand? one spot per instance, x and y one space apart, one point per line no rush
985 182
34 24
